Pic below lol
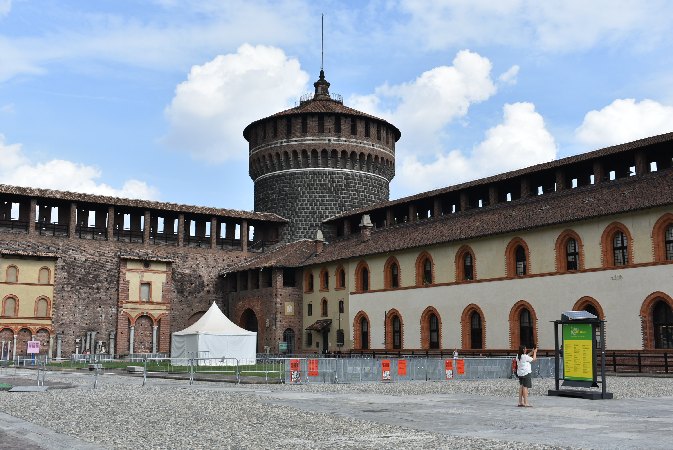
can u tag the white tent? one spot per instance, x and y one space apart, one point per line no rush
215 336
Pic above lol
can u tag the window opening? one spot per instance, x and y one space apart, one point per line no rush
468 267
394 276
310 309
526 329
41 309
397 333
309 338
520 258
620 249
427 272
321 123
323 307
354 126
341 306
475 331
43 277
337 124
434 331
668 242
288 127
9 307
364 333
572 255
663 325
366 128
304 124
145 292
365 279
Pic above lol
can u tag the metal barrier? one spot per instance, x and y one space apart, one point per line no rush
356 370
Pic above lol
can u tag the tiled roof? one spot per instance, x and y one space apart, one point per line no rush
144 204
294 254
567 206
28 253
662 138
327 107
320 325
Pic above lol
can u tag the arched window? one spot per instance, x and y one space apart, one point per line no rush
662 238
44 276
340 277
323 307
324 280
517 258
397 332
615 243
475 331
433 325
362 277
10 307
620 249
590 305
364 333
12 274
424 275
308 282
465 264
662 321
41 307
391 276
526 334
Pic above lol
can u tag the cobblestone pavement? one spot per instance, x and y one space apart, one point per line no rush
121 413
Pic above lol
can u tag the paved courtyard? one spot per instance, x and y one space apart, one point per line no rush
121 413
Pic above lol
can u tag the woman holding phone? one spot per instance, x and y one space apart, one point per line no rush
523 371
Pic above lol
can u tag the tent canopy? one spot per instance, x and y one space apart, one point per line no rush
215 336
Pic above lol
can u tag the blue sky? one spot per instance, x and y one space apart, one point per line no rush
149 99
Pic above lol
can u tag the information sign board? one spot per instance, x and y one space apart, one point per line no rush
312 367
402 367
578 357
460 366
295 371
385 369
448 369
33 347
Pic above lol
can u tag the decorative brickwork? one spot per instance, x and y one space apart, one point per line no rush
561 250
425 328
388 273
462 252
392 313
510 258
357 332
607 245
515 323
647 319
362 277
584 302
466 326
422 260
659 236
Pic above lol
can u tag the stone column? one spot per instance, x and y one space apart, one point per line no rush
14 347
412 213
92 343
154 338
110 223
390 218
112 344
213 232
436 207
464 201
146 228
641 163
244 236
598 172
72 221
85 345
51 345
560 180
181 229
132 336
59 343
31 216
525 187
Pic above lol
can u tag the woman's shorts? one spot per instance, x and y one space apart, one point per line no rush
526 381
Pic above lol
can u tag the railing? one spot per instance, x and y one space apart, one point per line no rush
164 238
51 229
638 362
94 233
20 225
129 235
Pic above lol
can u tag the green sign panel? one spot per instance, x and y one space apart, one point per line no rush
578 352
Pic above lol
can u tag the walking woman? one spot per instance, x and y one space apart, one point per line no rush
523 371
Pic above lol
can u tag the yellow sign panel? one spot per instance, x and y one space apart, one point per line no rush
578 357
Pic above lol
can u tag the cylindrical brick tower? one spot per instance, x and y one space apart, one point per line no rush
318 160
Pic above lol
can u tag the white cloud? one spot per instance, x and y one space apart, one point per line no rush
567 25
509 76
221 97
625 120
521 140
17 169
423 107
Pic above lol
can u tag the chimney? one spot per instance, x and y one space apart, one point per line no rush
366 228
319 242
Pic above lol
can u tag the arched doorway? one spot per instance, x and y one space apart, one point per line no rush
289 338
662 320
143 335
249 322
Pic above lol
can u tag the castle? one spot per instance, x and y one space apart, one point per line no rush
327 263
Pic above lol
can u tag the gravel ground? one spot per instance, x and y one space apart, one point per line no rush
121 413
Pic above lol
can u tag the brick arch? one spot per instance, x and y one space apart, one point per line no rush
357 331
425 327
48 274
420 263
561 242
142 342
659 236
466 326
607 254
460 269
337 277
42 334
586 300
389 329
362 266
309 281
515 324
510 257
387 275
16 268
23 335
37 301
15 313
646 316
